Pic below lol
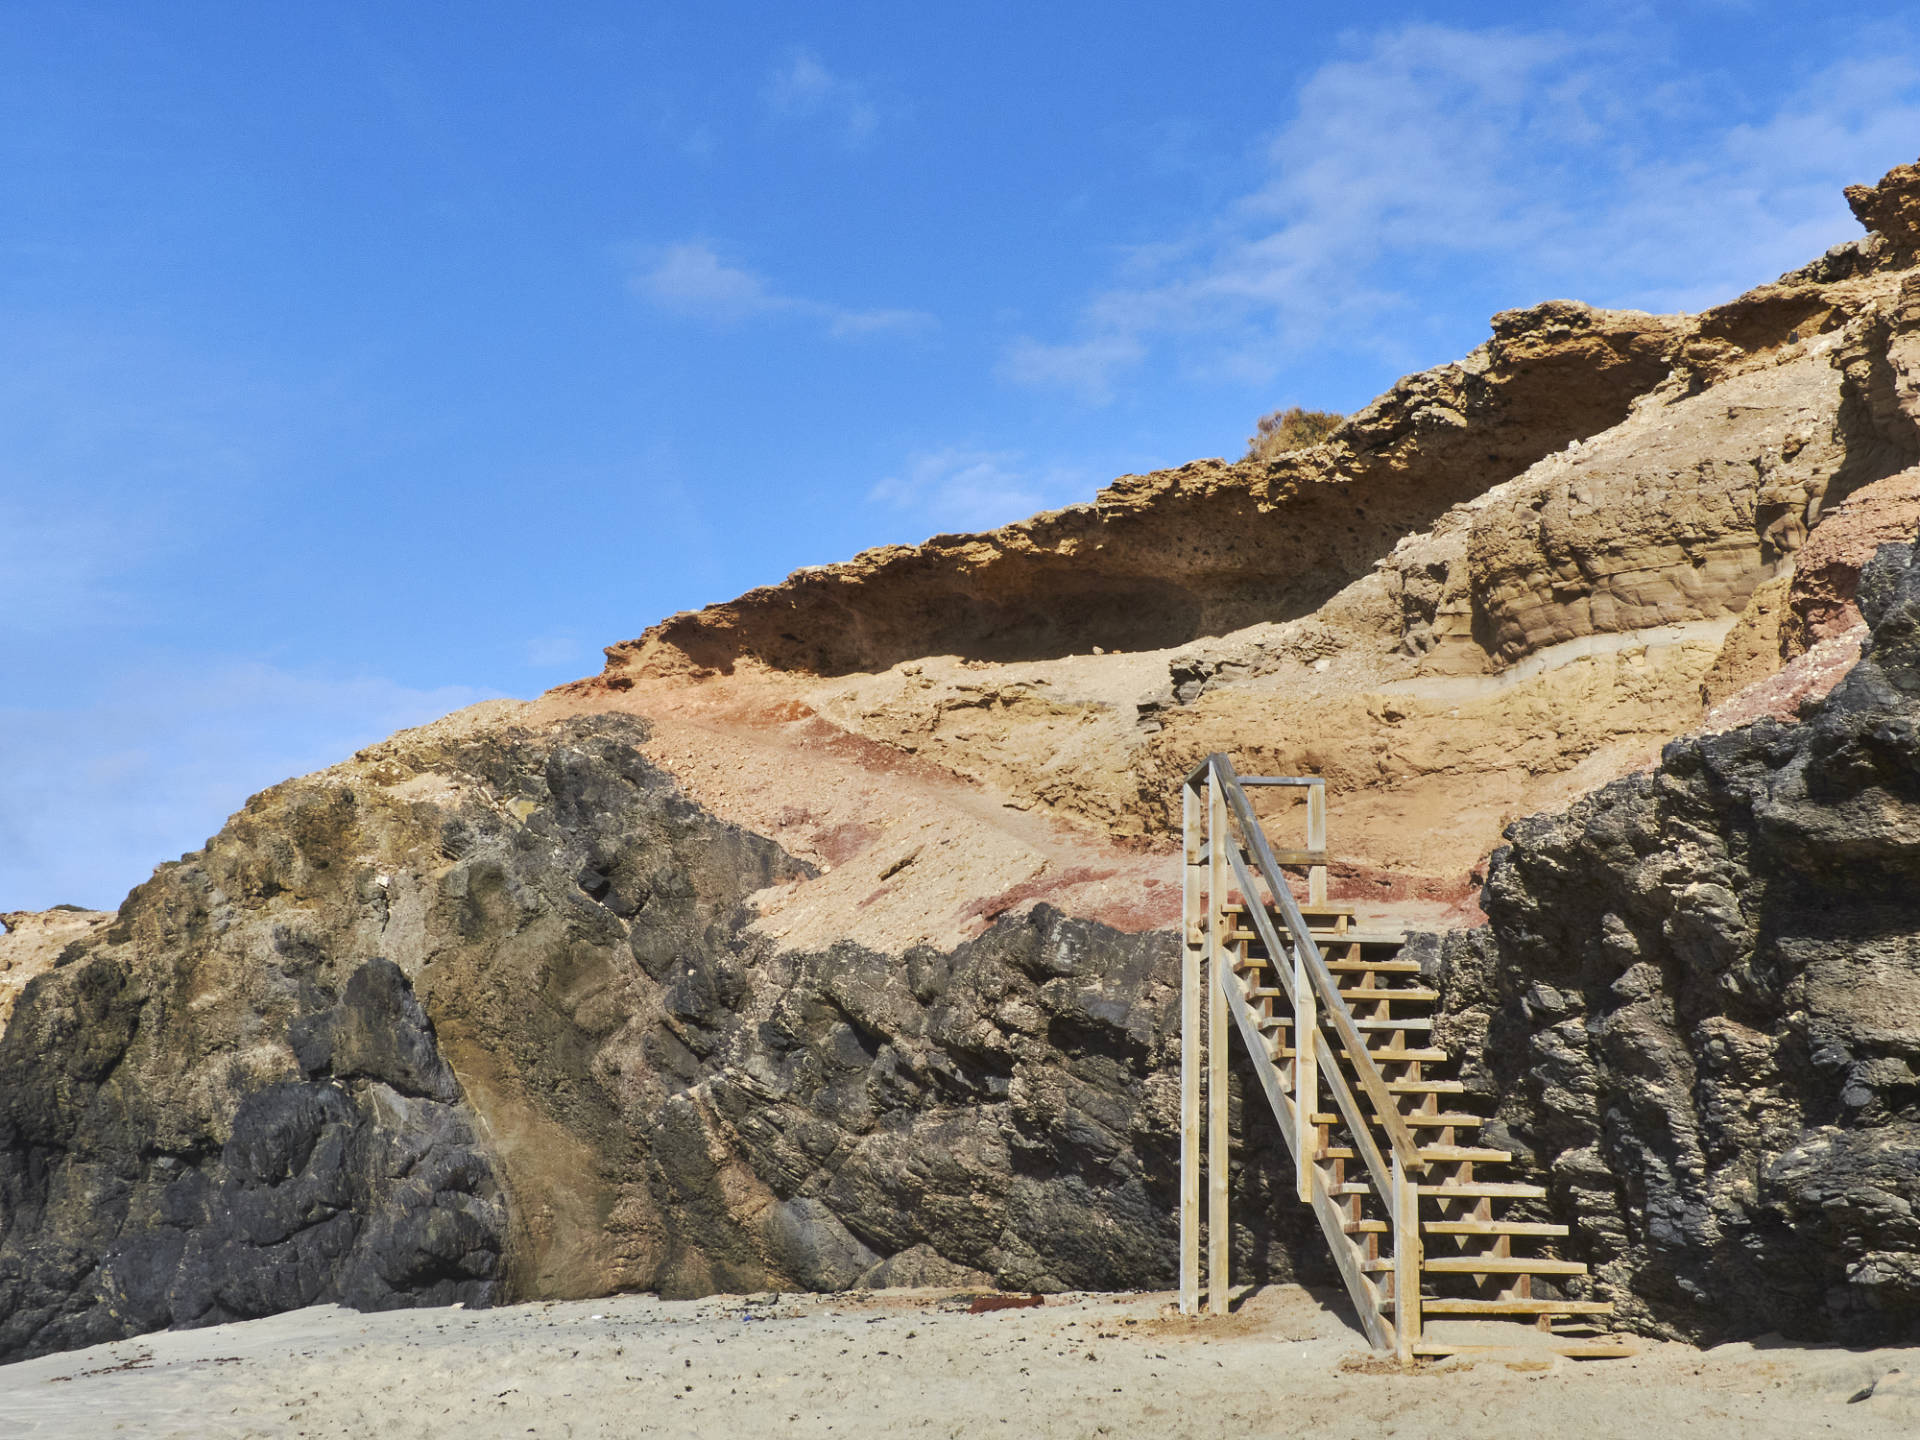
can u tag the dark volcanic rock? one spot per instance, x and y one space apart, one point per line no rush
1698 998
362 1186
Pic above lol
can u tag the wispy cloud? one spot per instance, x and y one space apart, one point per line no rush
957 489
64 569
691 280
1086 368
1552 163
95 793
548 652
804 89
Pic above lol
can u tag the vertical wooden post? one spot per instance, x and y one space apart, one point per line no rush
1406 1261
1306 1075
1306 1070
1193 968
1317 840
1219 1234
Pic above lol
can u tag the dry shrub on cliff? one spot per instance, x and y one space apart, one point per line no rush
1294 428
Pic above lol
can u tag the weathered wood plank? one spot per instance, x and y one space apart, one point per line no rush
1407 1261
1192 975
1317 843
1219 1233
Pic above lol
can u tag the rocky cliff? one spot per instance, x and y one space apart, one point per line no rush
823 939
481 1013
1697 1002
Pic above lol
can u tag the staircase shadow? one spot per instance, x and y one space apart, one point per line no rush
1292 1300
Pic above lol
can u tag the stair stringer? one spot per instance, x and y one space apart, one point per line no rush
1366 1296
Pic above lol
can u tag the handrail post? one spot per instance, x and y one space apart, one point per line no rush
1219 1236
1193 969
1306 1074
1317 840
1406 1261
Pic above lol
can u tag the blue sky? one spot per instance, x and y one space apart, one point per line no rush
359 361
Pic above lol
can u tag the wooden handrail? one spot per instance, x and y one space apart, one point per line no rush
1237 853
1305 950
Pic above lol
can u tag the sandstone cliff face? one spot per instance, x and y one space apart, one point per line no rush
1508 599
1698 1004
1205 549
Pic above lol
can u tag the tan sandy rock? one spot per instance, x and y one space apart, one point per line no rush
1505 581
1751 651
1205 549
1892 206
32 941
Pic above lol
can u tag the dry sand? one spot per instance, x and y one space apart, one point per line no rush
914 1362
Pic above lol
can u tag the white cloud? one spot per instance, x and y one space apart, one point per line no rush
805 89
957 489
691 280
1429 153
93 795
1086 368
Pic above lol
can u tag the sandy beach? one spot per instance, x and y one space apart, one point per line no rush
915 1362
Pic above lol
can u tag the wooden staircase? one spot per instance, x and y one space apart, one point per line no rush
1439 1253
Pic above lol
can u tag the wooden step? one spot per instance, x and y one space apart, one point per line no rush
1438 1154
1541 1228
1499 1265
1323 907
1244 963
1441 1305
1602 1349
1431 1057
1476 1189
1375 966
1455 1153
1379 1025
1410 994
1375 938
1417 1120
1366 1227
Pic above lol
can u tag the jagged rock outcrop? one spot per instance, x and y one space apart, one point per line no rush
479 1014
31 942
1547 632
1891 207
153 1173
1697 1001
